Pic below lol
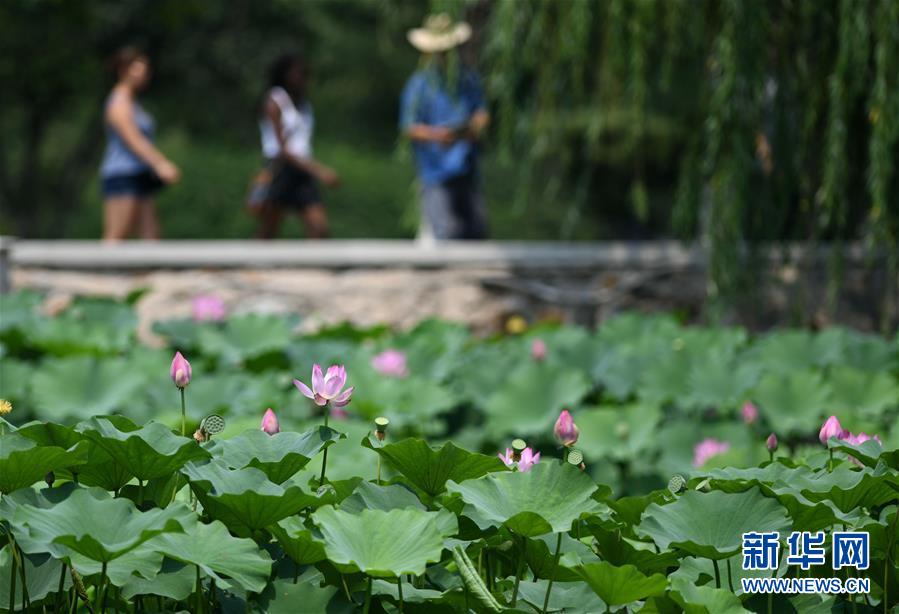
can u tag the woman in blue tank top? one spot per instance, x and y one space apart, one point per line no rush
133 169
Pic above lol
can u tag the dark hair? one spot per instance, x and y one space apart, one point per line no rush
277 72
123 58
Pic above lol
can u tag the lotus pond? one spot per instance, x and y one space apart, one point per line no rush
550 470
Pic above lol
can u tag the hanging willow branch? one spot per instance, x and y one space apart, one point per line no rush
748 115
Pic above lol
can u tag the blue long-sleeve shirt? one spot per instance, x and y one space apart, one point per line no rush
427 99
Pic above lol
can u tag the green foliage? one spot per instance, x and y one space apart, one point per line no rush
141 513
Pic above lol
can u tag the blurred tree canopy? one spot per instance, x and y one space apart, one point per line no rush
740 120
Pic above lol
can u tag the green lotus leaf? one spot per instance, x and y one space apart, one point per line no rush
41 577
79 387
374 497
96 526
548 498
573 597
792 403
855 390
119 571
531 397
868 453
704 599
410 401
619 433
88 326
231 561
152 451
245 337
618 586
23 462
15 378
379 543
174 580
429 469
279 456
845 488
283 595
540 555
297 541
711 524
244 499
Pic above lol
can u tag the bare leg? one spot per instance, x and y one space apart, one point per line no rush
148 221
316 220
269 222
119 217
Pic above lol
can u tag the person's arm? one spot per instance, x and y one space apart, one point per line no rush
413 119
478 123
325 174
480 118
120 115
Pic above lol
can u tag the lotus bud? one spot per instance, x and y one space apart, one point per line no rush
518 446
831 428
5 407
381 424
50 478
566 430
180 371
771 443
270 422
749 412
538 350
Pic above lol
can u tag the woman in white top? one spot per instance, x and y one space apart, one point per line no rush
287 124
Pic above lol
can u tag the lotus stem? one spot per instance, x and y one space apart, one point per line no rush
321 480
549 587
518 573
717 573
399 589
367 605
140 493
99 598
12 575
830 462
20 564
199 588
60 597
730 581
183 415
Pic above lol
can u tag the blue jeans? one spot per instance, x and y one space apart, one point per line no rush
455 208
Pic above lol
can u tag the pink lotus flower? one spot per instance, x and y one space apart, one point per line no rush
270 422
180 371
771 442
831 428
529 458
750 412
861 438
565 430
327 388
706 449
538 349
391 363
208 309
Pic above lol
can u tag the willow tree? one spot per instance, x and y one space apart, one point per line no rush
780 117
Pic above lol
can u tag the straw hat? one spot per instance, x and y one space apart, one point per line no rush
439 33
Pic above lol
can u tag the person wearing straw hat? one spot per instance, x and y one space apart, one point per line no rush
443 113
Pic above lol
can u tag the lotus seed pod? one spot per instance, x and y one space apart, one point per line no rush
676 484
213 424
518 446
575 457
622 430
381 424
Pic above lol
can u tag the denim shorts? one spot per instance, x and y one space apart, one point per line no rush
141 184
